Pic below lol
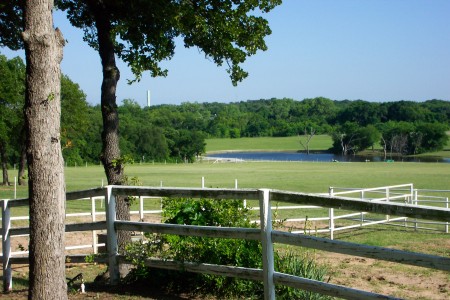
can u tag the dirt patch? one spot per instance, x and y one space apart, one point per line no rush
387 278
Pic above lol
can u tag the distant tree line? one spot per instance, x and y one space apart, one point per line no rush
178 132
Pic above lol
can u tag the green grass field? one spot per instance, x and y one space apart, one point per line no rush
291 143
314 177
309 177
306 177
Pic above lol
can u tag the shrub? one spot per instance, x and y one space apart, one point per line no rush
232 252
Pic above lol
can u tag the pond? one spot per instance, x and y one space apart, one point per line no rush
318 157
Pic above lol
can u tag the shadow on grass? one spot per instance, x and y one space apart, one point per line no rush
96 290
139 290
159 284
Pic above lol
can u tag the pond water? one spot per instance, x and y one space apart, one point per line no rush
318 157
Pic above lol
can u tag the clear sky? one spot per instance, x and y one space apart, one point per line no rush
374 50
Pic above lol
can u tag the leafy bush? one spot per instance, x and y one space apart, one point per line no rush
231 252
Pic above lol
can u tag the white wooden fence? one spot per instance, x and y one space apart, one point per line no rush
404 193
266 235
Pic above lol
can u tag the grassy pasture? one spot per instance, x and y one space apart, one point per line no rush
291 143
311 177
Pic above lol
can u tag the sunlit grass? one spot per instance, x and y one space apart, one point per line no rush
309 177
291 143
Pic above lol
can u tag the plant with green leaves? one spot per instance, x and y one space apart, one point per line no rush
221 251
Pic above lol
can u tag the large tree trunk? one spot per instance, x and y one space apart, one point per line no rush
111 157
4 162
43 50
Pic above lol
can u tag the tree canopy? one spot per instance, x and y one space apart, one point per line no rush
226 31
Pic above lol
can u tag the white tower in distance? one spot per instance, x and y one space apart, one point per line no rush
148 98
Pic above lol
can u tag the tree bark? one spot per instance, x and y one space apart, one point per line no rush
110 156
43 51
4 162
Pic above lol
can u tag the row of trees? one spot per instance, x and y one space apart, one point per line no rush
178 132
402 127
354 125
396 138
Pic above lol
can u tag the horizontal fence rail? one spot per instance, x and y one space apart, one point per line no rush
264 234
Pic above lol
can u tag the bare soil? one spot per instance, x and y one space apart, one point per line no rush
408 282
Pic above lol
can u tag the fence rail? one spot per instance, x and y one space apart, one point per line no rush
264 234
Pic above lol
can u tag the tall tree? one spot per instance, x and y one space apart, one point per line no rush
12 98
226 31
74 121
43 52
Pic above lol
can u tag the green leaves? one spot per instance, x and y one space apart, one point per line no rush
11 24
225 31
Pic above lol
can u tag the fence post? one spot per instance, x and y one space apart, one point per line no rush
387 200
141 208
94 232
331 223
265 214
331 215
362 213
6 247
411 191
446 224
111 239
415 202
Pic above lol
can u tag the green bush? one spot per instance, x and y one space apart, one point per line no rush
231 252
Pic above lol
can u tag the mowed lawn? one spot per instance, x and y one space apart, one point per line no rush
311 177
290 143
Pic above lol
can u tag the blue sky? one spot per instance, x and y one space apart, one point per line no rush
375 50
